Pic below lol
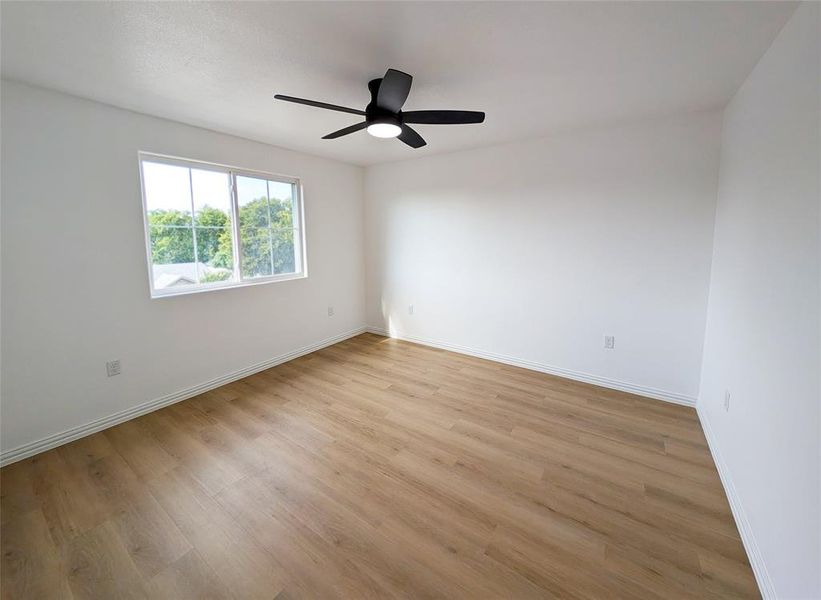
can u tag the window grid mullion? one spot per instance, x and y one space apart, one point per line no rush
296 223
194 225
270 235
235 226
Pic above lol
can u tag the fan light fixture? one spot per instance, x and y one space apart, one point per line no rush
384 130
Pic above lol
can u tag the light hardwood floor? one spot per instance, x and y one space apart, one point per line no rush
378 469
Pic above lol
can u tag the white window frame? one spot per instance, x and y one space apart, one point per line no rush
300 254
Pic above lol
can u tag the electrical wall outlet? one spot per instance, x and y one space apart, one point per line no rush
410 309
112 367
726 400
330 311
609 342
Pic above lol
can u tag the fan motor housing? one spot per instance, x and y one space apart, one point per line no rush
374 114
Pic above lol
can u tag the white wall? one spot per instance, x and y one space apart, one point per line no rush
75 283
762 340
535 250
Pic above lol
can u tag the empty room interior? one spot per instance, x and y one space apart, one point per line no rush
458 300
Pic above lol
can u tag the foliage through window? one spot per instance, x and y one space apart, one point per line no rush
209 226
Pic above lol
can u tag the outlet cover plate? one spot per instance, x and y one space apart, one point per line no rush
112 367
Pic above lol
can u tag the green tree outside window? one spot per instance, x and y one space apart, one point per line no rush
172 240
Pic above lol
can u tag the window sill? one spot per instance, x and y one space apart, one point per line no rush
199 289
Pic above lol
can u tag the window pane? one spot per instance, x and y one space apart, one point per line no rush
252 196
172 256
215 252
283 244
168 202
212 214
281 204
266 216
167 189
256 251
254 219
212 189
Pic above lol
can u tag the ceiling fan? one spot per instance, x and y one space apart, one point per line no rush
384 117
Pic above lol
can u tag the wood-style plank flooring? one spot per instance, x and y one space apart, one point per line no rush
379 469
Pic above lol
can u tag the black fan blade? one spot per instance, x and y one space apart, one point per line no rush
411 138
345 131
344 109
443 117
394 90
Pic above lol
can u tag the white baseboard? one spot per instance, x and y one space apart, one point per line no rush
58 439
614 384
762 576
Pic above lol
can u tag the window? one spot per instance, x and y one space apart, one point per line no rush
208 226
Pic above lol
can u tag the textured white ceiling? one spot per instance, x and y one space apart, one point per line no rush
535 68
